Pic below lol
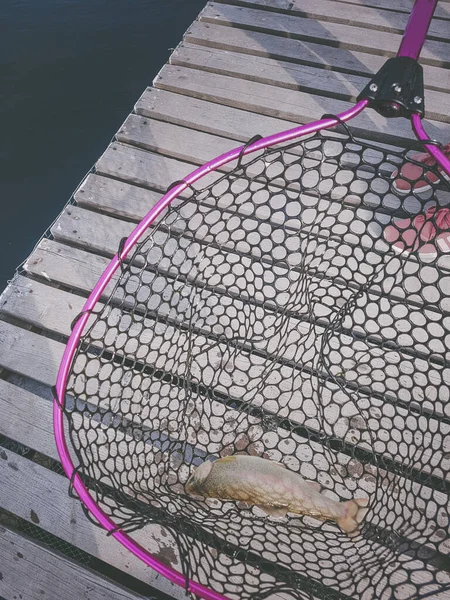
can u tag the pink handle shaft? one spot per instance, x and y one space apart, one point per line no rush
416 29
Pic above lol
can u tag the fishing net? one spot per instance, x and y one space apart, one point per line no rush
297 308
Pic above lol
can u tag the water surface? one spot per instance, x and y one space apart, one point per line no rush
70 72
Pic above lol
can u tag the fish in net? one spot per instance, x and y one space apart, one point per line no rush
266 314
294 306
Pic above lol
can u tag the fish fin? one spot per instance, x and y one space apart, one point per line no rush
274 511
226 459
315 485
354 512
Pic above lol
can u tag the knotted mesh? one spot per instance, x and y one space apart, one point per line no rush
296 308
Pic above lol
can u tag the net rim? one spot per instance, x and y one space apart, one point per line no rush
69 352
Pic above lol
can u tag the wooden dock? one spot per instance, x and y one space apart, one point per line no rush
244 67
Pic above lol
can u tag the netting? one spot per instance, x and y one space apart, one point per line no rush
296 308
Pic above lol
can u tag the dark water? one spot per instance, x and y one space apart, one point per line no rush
70 72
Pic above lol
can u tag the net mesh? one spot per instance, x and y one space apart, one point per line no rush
295 308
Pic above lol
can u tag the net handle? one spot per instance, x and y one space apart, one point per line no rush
416 29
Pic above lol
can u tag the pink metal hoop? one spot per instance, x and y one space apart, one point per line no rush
66 362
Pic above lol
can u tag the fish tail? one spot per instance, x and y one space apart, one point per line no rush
353 513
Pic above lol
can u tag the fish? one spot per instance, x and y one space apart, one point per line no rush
275 489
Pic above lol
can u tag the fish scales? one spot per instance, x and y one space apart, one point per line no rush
272 487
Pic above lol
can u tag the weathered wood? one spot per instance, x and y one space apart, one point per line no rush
176 142
173 141
135 165
442 11
50 507
117 197
206 116
230 421
33 572
39 359
69 266
289 75
332 34
67 520
92 230
53 257
111 196
27 419
217 104
367 17
129 163
290 105
336 60
22 338
24 296
70 523
266 70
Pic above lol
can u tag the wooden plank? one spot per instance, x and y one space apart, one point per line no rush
176 142
205 116
17 340
290 76
52 309
69 266
442 11
51 508
212 107
73 227
118 197
230 421
27 419
290 105
332 34
28 300
33 572
50 256
337 60
201 116
365 16
112 160
42 351
266 70
180 143
70 233
89 234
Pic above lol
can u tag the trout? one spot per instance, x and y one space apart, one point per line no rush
274 489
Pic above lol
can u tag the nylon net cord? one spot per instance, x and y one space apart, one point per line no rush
295 308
